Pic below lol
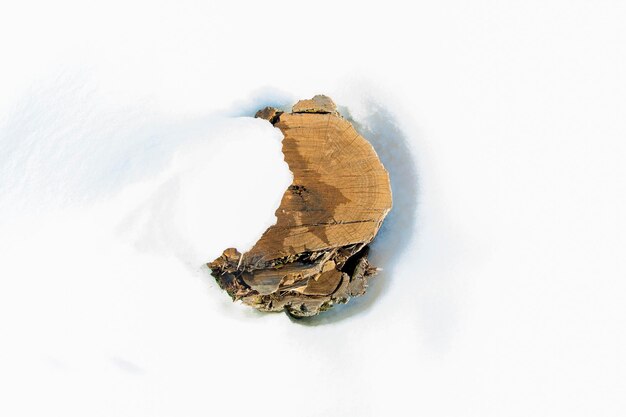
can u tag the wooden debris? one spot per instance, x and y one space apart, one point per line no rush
316 254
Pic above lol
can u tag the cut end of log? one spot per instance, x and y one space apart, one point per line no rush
315 256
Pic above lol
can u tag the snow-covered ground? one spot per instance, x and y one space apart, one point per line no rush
128 156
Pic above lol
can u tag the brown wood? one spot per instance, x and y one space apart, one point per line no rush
316 253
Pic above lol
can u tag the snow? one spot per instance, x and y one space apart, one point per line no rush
126 158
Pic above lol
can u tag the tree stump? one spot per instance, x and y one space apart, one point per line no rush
316 254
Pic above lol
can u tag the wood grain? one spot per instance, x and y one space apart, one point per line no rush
316 253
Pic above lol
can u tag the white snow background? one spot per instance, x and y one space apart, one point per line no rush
128 159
